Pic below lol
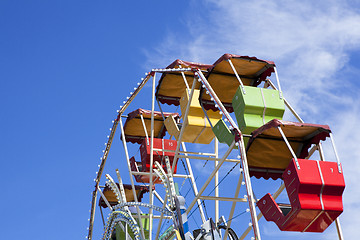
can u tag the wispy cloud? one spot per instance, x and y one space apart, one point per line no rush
310 41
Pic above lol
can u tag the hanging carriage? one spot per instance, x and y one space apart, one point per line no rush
171 144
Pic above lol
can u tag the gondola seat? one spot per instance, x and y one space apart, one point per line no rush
256 107
315 194
223 133
138 167
197 126
162 148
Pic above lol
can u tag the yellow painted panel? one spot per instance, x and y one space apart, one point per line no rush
206 136
198 134
195 108
197 128
197 121
191 133
171 126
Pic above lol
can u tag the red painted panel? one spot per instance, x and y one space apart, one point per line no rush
321 223
303 185
300 220
159 156
334 186
315 193
270 209
137 167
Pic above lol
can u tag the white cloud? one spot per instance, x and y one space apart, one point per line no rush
347 138
310 41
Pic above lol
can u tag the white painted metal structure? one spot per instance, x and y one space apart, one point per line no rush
190 158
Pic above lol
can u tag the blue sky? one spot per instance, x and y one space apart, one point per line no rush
66 66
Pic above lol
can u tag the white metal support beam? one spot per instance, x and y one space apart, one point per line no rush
131 176
232 210
249 190
210 178
275 195
216 143
287 104
240 143
151 196
193 183
182 130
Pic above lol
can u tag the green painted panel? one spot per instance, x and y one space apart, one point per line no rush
223 133
275 107
145 223
120 234
249 107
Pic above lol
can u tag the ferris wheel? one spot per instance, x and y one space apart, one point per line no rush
203 136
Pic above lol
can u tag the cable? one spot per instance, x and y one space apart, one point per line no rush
193 217
236 216
223 178
205 163
202 201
